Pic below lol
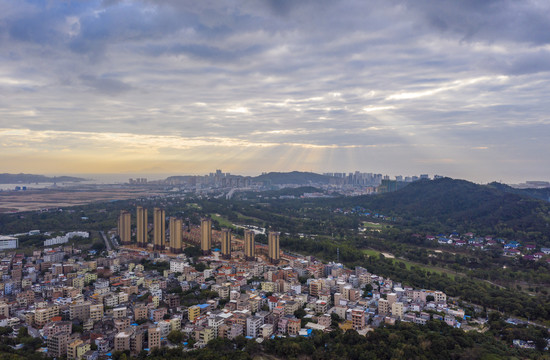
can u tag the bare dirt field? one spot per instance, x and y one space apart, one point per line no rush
15 201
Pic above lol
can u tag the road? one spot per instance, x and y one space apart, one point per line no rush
107 242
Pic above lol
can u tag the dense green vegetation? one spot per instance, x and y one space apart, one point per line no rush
486 265
92 217
435 340
442 205
159 266
446 205
275 194
8 344
541 194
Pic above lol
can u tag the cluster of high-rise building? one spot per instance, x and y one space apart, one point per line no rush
217 179
358 178
249 243
159 230
175 242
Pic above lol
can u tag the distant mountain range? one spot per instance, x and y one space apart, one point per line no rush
30 179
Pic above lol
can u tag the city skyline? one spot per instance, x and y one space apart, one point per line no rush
180 87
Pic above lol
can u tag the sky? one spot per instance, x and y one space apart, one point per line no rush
399 87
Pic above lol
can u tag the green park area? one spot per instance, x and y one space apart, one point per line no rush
410 264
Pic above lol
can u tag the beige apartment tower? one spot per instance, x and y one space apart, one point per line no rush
226 243
206 234
124 230
159 230
153 336
273 246
141 231
249 248
57 344
176 235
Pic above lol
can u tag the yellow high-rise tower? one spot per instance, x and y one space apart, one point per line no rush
176 235
206 234
159 230
124 230
141 233
273 246
226 243
249 248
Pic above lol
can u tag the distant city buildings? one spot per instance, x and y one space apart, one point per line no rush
352 183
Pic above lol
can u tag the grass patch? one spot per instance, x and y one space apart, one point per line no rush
371 252
242 220
222 221
249 218
374 226
410 264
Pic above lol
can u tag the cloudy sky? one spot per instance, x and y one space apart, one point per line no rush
458 88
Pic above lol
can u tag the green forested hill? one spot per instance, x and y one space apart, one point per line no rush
294 177
460 204
541 194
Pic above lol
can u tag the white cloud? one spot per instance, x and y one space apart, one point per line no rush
239 110
378 108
